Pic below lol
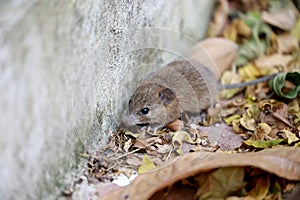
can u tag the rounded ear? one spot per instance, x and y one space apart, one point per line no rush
167 96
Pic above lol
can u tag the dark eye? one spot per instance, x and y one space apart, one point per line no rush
145 111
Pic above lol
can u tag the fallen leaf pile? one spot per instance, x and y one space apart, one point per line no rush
247 145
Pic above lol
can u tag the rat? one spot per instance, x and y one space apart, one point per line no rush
181 87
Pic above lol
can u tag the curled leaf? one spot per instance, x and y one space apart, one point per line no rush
248 124
290 136
179 138
279 82
230 78
262 130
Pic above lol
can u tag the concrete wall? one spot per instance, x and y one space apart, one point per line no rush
66 69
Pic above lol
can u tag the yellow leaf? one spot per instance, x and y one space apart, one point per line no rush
262 130
236 126
263 143
228 120
146 165
296 29
249 72
293 107
230 78
290 136
253 111
178 138
248 124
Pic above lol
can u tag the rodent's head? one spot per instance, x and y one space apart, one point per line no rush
152 104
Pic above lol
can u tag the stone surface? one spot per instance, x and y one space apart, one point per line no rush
67 68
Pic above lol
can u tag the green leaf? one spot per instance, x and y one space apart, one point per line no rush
250 50
278 83
262 143
252 18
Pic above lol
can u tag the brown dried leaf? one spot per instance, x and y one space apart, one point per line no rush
282 161
140 143
223 135
262 130
176 125
287 43
283 15
219 19
216 53
273 61
274 113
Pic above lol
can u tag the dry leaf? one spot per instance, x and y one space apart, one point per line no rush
262 130
296 29
180 137
176 125
146 166
282 14
249 72
273 61
219 19
223 135
220 183
282 161
230 78
261 189
140 143
290 136
287 43
127 145
238 28
262 144
248 124
133 161
216 53
231 118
